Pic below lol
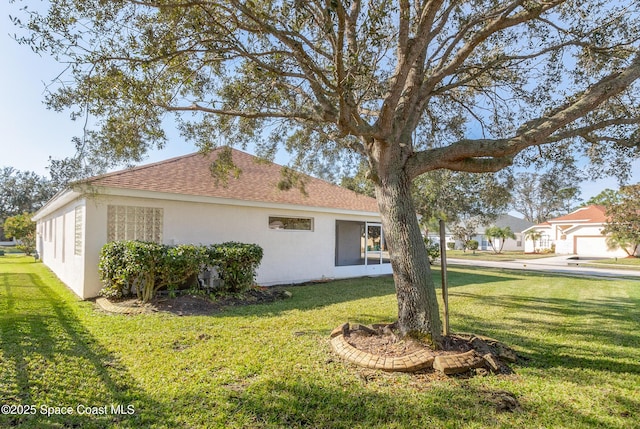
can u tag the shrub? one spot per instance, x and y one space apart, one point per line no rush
178 264
451 245
433 249
128 266
236 264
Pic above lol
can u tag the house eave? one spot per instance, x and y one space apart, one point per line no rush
59 200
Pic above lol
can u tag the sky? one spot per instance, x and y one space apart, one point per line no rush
30 133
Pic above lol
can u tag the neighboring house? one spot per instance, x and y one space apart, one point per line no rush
331 232
578 233
517 225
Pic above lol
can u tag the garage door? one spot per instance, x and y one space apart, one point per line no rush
591 246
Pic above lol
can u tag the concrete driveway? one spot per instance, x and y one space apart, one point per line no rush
555 264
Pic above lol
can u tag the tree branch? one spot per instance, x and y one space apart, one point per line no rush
532 133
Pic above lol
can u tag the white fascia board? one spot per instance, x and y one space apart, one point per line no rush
582 225
135 193
59 200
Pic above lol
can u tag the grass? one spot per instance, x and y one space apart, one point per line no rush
271 366
489 255
622 263
10 249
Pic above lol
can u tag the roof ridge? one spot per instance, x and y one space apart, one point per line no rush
140 167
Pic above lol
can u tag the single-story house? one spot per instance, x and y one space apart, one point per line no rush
577 233
326 232
516 224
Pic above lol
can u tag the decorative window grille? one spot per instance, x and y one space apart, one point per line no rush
134 223
77 245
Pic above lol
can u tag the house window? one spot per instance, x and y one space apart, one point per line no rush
134 223
77 244
291 223
544 241
360 243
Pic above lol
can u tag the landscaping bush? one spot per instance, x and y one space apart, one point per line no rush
128 266
433 249
451 245
236 264
178 264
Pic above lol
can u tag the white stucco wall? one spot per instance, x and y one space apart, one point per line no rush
587 240
55 243
289 256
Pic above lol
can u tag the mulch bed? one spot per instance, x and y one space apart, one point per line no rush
188 304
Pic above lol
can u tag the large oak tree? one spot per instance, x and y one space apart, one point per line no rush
411 86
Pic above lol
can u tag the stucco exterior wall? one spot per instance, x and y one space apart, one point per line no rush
586 240
55 242
289 256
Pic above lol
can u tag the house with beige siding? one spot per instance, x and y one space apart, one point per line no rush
326 232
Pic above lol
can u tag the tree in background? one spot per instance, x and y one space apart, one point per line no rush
540 197
464 232
20 192
605 198
534 236
496 233
67 170
623 227
410 87
455 196
23 229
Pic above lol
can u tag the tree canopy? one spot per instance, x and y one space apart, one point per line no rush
542 196
22 191
496 233
411 87
23 229
623 227
427 76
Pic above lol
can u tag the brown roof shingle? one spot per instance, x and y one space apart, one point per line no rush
190 175
588 214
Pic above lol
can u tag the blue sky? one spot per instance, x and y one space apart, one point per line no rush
30 133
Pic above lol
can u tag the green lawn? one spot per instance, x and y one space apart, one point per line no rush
622 263
490 255
271 365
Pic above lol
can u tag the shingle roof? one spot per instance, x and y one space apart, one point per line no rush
191 175
589 214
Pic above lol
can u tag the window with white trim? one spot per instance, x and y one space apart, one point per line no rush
134 223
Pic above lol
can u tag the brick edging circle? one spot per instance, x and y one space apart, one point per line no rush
421 359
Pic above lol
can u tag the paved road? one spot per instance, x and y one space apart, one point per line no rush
555 264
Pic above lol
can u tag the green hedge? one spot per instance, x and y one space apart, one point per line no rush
128 266
236 264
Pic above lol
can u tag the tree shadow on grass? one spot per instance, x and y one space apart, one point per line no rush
311 296
300 404
50 360
583 327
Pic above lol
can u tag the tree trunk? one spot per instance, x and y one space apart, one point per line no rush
418 313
